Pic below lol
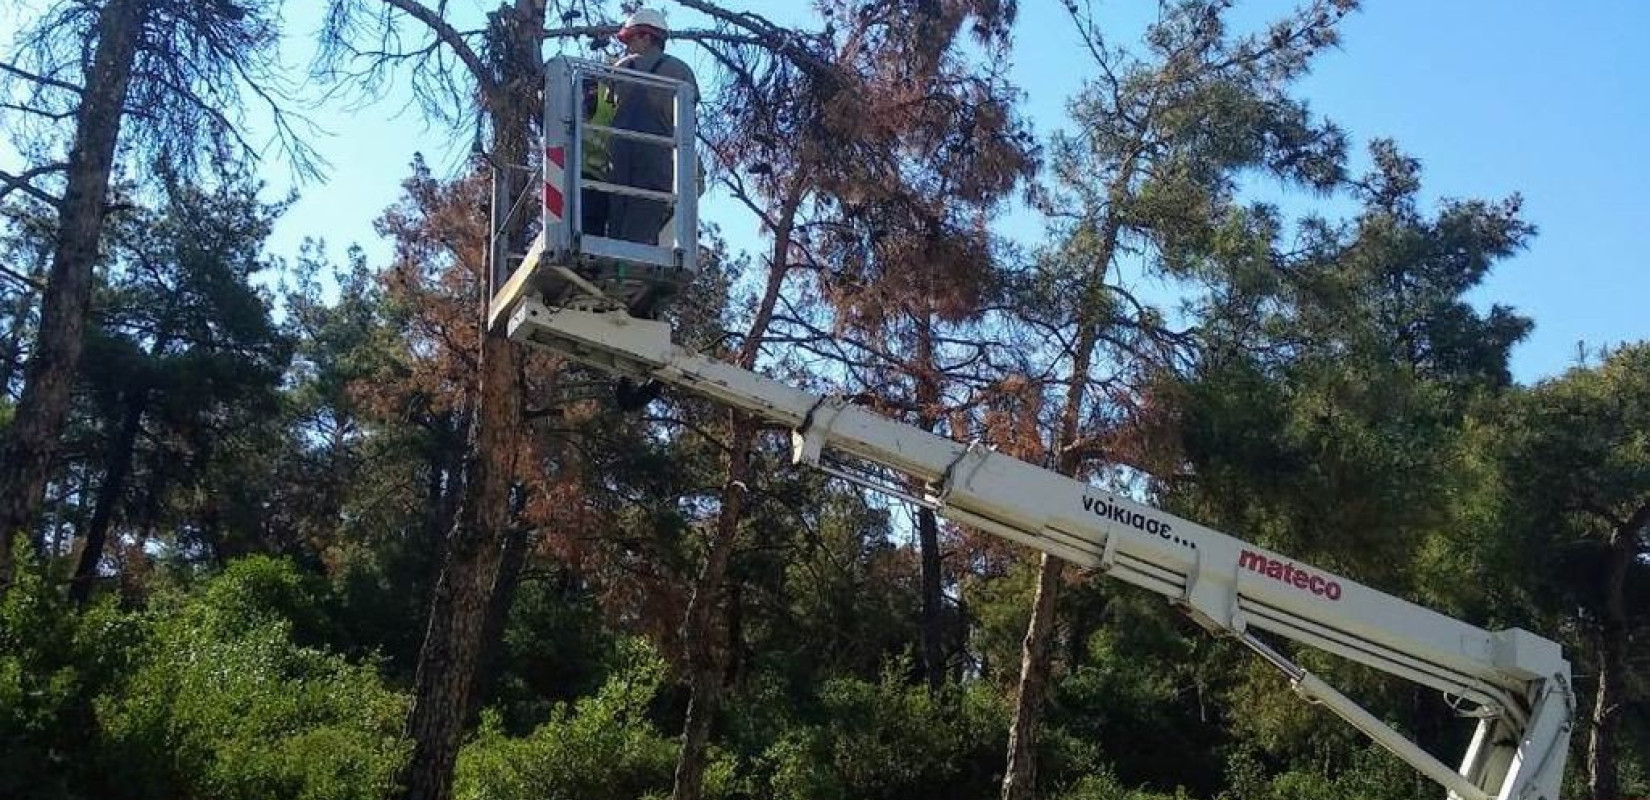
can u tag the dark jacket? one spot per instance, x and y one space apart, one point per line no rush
643 164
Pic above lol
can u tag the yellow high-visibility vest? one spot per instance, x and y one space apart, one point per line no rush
596 156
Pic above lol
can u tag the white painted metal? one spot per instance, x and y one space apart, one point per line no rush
1315 690
1518 680
566 257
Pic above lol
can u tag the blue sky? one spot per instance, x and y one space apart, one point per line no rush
1548 100
1544 99
1541 98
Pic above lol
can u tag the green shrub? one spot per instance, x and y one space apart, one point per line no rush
1105 786
227 705
602 747
1370 773
53 662
892 739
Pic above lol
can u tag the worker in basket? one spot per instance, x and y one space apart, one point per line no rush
599 109
643 165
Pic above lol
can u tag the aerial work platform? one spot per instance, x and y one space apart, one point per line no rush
1512 685
631 244
595 299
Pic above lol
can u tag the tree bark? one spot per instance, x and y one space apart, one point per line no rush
704 658
1603 779
1020 779
453 646
474 573
928 527
119 465
1602 782
699 639
502 598
31 443
933 598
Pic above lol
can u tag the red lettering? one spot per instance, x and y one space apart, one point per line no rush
1285 572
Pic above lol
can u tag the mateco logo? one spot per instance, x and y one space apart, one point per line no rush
1285 572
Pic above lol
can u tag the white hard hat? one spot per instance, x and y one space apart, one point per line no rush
645 18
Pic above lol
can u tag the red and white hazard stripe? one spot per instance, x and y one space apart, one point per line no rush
555 167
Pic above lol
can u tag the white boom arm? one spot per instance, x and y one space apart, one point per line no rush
1518 681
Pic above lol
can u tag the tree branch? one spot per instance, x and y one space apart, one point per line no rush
26 280
52 82
55 116
691 34
780 40
453 39
22 183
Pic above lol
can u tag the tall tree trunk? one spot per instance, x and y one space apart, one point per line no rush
1020 779
699 635
473 573
928 527
118 466
30 444
933 599
1603 781
502 599
1020 774
453 646
734 672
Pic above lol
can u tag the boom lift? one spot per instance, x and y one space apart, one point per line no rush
1515 684
567 263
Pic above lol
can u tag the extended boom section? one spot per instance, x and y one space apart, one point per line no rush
1516 682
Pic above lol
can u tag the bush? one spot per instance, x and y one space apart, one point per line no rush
892 739
1370 774
601 747
227 705
53 662
1105 786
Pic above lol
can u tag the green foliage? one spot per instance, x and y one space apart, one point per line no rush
850 600
1581 447
1576 452
557 648
602 746
52 664
1140 700
210 694
890 739
228 705
1369 774
1576 503
1001 607
1104 785
1390 286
